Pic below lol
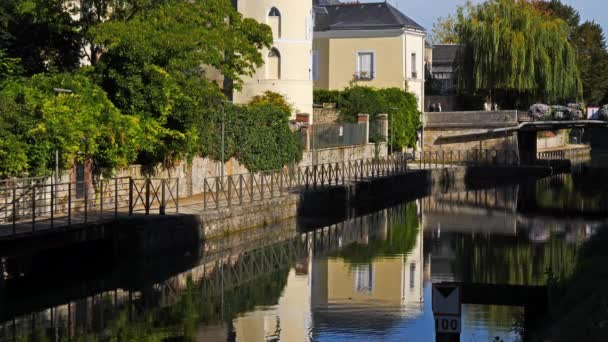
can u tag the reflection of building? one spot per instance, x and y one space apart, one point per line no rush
287 321
382 283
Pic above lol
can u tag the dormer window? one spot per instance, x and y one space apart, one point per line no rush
274 21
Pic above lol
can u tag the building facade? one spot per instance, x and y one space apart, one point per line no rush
287 65
371 44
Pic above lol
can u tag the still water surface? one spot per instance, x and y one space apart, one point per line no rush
365 279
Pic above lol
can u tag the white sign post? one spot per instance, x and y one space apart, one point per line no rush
446 308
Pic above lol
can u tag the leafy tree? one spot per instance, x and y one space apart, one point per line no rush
85 125
276 99
444 30
154 68
516 54
41 33
590 44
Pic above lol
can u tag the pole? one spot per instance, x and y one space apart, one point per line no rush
223 118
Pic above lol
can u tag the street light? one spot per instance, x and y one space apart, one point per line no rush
223 119
57 92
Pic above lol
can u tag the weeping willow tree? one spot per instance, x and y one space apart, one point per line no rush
515 54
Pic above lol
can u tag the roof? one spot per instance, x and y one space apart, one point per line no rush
367 16
444 53
325 2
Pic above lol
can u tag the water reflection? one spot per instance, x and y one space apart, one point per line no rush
367 278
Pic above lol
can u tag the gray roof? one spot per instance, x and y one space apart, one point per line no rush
444 53
325 2
367 16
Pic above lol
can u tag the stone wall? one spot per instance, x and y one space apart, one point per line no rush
325 115
446 124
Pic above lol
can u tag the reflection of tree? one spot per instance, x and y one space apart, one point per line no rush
571 192
579 303
179 321
501 260
401 236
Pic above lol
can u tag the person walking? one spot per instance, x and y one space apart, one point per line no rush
439 107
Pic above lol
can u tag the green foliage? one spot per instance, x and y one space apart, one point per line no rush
34 122
272 98
41 33
154 65
321 96
258 136
8 66
401 106
444 30
516 54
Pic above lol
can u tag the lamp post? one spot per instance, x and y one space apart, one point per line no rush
223 120
57 92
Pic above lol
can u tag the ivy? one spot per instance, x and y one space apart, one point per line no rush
401 106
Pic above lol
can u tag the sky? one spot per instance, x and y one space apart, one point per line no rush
426 12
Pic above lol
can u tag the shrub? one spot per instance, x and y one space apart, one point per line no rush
540 111
602 114
321 96
272 98
575 111
559 112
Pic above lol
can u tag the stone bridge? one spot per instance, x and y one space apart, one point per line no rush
498 130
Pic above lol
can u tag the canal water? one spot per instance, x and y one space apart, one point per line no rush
365 279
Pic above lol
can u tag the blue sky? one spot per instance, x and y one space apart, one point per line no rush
426 12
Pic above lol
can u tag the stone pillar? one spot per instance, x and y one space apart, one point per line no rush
306 129
364 119
383 126
526 142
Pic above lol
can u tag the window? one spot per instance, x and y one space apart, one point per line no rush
274 21
273 65
364 278
315 65
365 66
414 66
412 275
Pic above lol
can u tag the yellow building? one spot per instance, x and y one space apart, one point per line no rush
371 44
288 64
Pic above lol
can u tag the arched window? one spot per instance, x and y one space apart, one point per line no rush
273 65
274 21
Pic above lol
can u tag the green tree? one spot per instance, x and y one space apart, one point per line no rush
444 30
41 33
589 41
154 66
516 54
85 125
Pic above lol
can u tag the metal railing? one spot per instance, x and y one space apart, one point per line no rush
38 207
441 159
228 191
337 134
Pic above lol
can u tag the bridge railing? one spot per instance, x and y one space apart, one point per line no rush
227 191
36 207
445 158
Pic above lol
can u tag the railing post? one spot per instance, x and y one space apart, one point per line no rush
240 189
86 203
251 180
217 192
130 196
163 203
33 208
52 205
69 204
229 197
443 158
115 198
177 196
14 209
147 196
101 200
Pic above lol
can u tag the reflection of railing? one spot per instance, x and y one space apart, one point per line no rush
232 190
441 159
552 155
43 206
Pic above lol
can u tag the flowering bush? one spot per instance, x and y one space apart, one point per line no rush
559 112
602 114
576 111
540 111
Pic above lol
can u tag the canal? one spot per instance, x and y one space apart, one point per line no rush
367 278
